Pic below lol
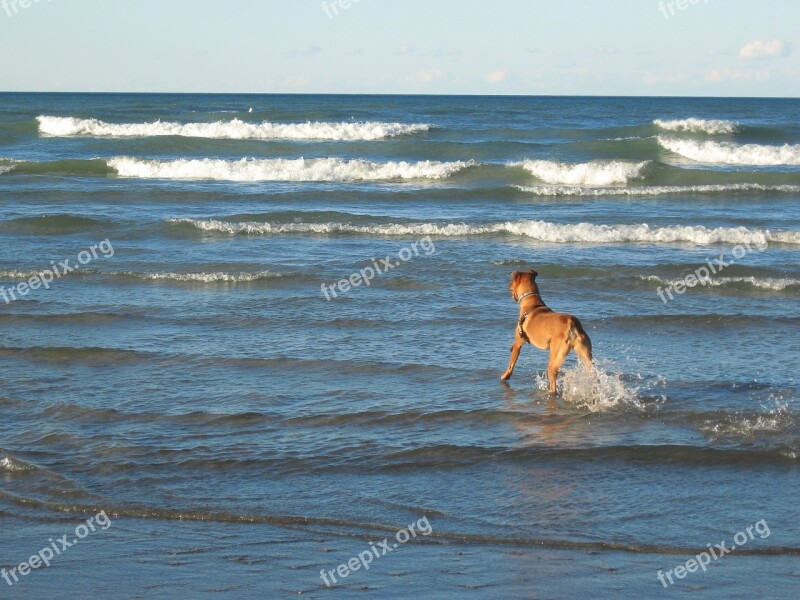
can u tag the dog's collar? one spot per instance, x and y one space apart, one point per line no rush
533 309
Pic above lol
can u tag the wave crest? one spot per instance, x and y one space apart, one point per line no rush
9 464
595 173
7 165
281 169
216 277
726 153
542 231
774 284
235 129
656 190
692 125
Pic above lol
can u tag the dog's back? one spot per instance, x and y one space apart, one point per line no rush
545 329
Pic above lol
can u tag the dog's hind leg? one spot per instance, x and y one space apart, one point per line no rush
581 343
583 348
558 352
515 349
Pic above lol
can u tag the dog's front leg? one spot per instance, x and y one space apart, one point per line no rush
515 349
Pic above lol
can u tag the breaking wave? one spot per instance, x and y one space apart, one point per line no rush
595 173
6 165
235 129
776 284
211 277
9 464
656 190
537 230
280 169
771 425
726 153
692 125
216 277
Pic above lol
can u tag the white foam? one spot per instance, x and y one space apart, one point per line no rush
7 164
726 153
749 428
218 277
542 231
17 274
656 190
692 125
10 464
775 284
280 169
214 277
595 173
235 129
595 389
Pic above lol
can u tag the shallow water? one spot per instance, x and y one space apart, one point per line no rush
243 432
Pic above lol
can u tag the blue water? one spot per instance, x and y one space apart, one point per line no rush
243 432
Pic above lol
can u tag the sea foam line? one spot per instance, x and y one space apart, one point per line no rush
726 153
692 125
280 169
7 165
537 230
595 173
765 283
10 464
235 129
212 277
216 277
655 190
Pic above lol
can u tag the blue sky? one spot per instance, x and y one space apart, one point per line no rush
624 47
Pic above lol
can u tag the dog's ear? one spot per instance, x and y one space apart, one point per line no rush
534 274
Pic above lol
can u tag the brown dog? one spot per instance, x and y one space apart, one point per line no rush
545 329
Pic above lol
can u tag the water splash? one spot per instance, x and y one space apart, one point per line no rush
597 390
776 423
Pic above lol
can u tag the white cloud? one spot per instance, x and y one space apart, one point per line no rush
405 50
761 49
498 76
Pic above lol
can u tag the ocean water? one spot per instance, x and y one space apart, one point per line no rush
246 421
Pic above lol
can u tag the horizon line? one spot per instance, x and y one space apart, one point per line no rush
401 94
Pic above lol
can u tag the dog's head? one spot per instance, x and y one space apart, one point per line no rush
523 282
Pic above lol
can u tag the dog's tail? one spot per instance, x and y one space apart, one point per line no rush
580 342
